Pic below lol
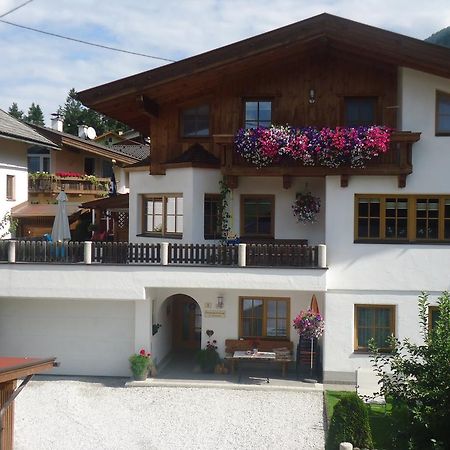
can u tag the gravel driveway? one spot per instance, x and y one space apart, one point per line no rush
100 414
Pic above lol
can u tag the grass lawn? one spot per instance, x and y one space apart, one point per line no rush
380 423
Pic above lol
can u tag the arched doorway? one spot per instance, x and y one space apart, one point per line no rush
186 323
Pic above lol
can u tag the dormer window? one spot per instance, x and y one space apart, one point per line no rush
258 113
360 111
442 114
195 121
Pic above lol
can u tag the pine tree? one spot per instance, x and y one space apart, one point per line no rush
15 111
35 115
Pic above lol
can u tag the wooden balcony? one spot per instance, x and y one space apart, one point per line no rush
164 254
397 161
52 184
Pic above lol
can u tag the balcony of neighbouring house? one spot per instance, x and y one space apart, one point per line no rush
71 183
271 255
308 152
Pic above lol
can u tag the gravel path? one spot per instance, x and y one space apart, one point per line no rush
86 414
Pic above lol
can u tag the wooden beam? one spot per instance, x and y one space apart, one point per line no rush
232 181
287 181
147 106
344 180
402 180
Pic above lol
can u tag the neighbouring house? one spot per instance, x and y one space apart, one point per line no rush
82 168
15 139
381 236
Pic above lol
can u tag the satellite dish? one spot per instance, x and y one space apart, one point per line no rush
91 134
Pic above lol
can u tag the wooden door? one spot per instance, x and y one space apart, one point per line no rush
187 324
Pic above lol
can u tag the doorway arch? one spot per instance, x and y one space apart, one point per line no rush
185 317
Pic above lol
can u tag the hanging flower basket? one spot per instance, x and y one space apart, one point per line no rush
329 147
306 207
309 324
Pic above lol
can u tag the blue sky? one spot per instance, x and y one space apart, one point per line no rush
42 69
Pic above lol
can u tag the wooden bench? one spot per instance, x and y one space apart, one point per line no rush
283 359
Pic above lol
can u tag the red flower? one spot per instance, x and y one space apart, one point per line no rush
142 352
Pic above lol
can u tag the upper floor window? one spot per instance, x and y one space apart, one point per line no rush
211 217
257 215
38 160
258 113
195 121
373 322
263 317
402 218
163 215
89 166
10 187
433 316
442 114
360 111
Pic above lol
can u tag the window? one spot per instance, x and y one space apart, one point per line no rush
402 218
360 111
433 316
258 114
264 317
373 322
442 114
107 168
212 220
257 215
38 160
163 215
89 166
195 121
10 187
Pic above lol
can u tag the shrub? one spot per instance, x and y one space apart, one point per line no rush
350 423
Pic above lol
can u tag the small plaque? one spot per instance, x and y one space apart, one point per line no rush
220 313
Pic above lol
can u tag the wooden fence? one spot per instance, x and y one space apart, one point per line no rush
250 255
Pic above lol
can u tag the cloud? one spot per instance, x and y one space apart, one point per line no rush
42 69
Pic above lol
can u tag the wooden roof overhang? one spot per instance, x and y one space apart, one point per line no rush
136 99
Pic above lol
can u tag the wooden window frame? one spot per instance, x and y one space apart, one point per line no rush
357 307
439 96
264 317
211 197
164 232
431 311
181 121
411 219
242 217
259 100
377 111
10 188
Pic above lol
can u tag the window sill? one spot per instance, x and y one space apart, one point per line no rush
159 236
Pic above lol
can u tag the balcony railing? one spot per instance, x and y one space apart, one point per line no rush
240 255
397 161
48 183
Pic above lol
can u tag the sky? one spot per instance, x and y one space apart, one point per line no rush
42 69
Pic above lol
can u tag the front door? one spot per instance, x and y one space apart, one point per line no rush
187 323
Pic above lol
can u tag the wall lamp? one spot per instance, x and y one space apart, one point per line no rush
312 96
220 301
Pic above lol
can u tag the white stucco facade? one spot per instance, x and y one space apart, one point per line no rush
13 162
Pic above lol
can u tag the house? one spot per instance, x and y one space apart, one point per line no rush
15 139
380 238
79 166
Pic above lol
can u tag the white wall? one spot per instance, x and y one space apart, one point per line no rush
13 161
195 183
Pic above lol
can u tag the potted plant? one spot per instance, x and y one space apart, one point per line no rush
208 357
140 364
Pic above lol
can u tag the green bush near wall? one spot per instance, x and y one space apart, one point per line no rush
349 423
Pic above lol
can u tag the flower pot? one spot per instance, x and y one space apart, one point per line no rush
140 376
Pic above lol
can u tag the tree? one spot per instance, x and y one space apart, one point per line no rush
75 114
35 115
15 111
417 378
